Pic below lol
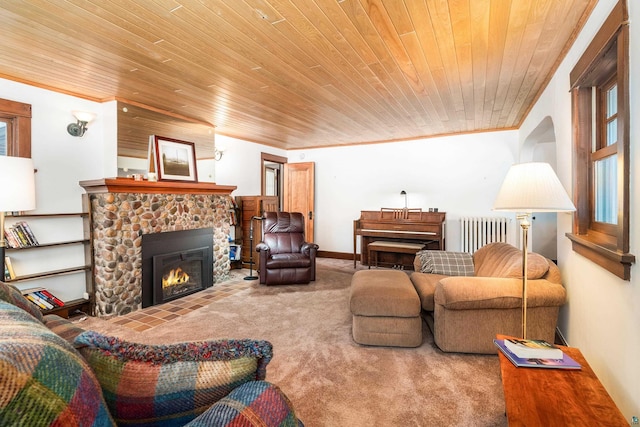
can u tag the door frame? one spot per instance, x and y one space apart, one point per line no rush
272 158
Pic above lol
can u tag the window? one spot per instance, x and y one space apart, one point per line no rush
15 128
600 110
5 135
604 160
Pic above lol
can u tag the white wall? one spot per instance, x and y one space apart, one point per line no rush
601 316
459 175
241 164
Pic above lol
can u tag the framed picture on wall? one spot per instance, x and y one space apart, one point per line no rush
175 160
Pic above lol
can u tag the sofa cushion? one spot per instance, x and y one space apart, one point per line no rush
12 295
44 381
386 293
505 260
459 293
447 263
425 284
256 403
170 384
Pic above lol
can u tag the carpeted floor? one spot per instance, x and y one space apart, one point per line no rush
331 380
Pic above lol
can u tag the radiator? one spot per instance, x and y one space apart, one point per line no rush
475 232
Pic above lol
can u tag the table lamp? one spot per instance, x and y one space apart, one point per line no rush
17 191
527 188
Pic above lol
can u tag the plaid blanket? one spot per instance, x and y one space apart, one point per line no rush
43 380
256 403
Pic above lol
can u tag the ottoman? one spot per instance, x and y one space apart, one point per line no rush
385 308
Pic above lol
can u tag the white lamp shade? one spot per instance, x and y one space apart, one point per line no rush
84 116
17 184
532 187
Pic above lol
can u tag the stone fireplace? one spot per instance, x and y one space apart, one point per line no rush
122 211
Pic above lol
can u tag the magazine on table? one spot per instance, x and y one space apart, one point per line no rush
565 363
538 349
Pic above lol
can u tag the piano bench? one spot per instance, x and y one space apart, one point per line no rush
392 247
385 309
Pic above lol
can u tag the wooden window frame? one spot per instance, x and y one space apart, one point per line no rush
607 56
18 116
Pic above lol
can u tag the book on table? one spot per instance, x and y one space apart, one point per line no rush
538 349
566 362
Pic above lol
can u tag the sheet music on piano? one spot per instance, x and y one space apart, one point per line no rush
413 226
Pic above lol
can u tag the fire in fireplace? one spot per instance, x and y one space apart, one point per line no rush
176 264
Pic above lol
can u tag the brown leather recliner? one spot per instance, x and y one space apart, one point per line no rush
285 257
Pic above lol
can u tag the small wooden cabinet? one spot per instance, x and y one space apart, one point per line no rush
251 206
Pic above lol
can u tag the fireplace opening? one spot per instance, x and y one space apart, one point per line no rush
176 264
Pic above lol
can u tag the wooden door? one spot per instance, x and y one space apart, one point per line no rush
299 193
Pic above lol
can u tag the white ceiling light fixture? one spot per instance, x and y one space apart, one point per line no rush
83 118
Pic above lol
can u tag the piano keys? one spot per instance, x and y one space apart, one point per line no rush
398 225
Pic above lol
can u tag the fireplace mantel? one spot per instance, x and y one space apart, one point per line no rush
129 185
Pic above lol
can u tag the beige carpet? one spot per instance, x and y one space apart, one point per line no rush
331 380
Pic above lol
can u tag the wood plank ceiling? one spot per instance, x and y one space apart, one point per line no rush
300 73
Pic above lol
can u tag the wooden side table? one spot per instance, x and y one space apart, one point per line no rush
556 397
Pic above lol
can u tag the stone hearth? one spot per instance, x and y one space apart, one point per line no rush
122 210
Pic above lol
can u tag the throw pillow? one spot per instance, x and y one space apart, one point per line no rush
43 380
170 384
12 295
62 327
447 263
256 403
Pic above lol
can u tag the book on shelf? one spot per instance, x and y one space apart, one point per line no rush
9 274
565 363
54 300
29 233
538 349
20 235
36 301
43 298
10 238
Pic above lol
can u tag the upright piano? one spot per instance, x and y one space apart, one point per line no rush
398 225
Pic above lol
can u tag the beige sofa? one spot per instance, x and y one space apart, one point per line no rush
466 312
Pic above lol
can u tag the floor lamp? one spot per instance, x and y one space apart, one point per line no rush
527 188
17 191
251 249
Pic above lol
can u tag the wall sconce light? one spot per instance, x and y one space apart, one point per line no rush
404 193
217 154
79 128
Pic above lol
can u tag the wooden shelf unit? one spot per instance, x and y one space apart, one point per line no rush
72 305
